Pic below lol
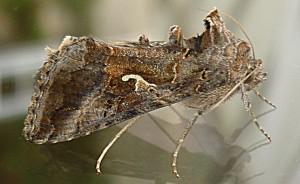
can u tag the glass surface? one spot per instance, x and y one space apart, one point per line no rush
223 147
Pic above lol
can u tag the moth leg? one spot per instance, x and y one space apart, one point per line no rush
124 129
264 99
175 36
248 107
180 141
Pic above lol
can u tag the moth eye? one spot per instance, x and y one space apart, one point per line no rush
250 78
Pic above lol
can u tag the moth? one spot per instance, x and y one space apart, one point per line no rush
87 85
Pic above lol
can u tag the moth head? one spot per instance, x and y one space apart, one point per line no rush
255 74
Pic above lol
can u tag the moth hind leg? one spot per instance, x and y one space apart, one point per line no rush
180 141
123 130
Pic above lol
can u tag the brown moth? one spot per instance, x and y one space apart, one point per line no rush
87 85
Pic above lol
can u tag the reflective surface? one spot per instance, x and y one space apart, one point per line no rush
144 154
219 149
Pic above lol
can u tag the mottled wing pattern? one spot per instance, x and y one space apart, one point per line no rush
88 85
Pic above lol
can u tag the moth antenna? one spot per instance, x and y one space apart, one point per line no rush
242 29
253 53
123 130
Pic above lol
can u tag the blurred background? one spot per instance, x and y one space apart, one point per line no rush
221 148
